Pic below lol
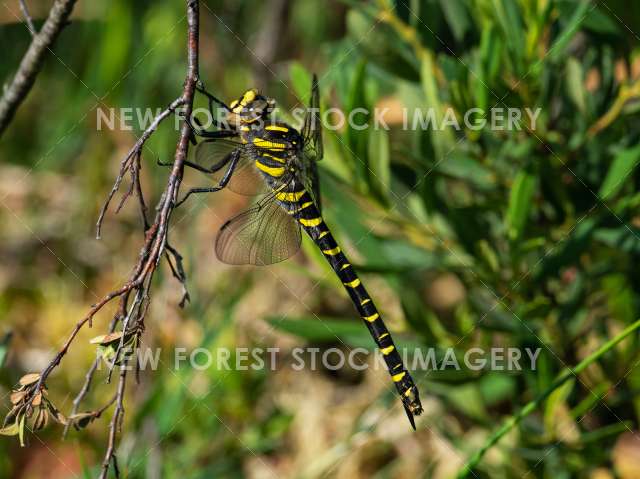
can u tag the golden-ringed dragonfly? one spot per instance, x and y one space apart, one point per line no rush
253 155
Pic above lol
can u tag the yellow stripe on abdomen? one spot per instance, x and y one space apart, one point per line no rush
353 284
371 318
386 351
270 170
276 128
270 145
273 157
311 222
290 197
300 208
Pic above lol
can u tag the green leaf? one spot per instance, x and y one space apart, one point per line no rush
579 13
596 20
510 20
575 84
457 17
443 140
379 162
300 80
467 169
556 399
622 166
520 202
11 430
21 430
323 329
4 347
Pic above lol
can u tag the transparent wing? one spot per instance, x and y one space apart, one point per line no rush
215 155
313 149
312 127
311 180
262 235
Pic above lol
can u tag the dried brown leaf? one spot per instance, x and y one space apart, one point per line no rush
82 420
106 339
17 396
42 419
28 379
37 400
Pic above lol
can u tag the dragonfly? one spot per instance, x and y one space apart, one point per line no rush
253 154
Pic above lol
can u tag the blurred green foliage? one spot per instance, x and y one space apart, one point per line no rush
470 238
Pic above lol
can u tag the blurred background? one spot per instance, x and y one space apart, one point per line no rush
464 238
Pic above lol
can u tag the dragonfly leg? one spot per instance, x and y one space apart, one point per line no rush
222 132
216 134
235 156
195 166
212 99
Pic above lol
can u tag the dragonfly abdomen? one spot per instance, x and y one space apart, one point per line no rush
300 204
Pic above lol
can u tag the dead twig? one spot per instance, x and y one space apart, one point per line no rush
27 17
134 154
135 294
31 63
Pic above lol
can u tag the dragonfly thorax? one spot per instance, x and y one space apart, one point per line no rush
276 145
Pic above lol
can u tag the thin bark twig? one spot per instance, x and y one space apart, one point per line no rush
31 63
27 17
131 313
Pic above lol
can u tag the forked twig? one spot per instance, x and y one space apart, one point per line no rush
135 294
27 17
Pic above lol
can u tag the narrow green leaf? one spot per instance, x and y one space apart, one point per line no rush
509 18
443 140
300 80
575 84
467 169
379 161
457 17
556 399
559 47
4 347
321 328
622 166
520 202
21 430
11 430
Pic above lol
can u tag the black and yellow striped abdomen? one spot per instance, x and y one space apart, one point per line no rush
301 205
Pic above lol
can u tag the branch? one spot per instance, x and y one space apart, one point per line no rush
114 426
31 63
135 151
627 93
27 17
135 294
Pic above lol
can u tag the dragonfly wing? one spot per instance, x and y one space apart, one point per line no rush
311 180
215 155
313 149
262 235
312 127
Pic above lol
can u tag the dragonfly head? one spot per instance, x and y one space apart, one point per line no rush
250 107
